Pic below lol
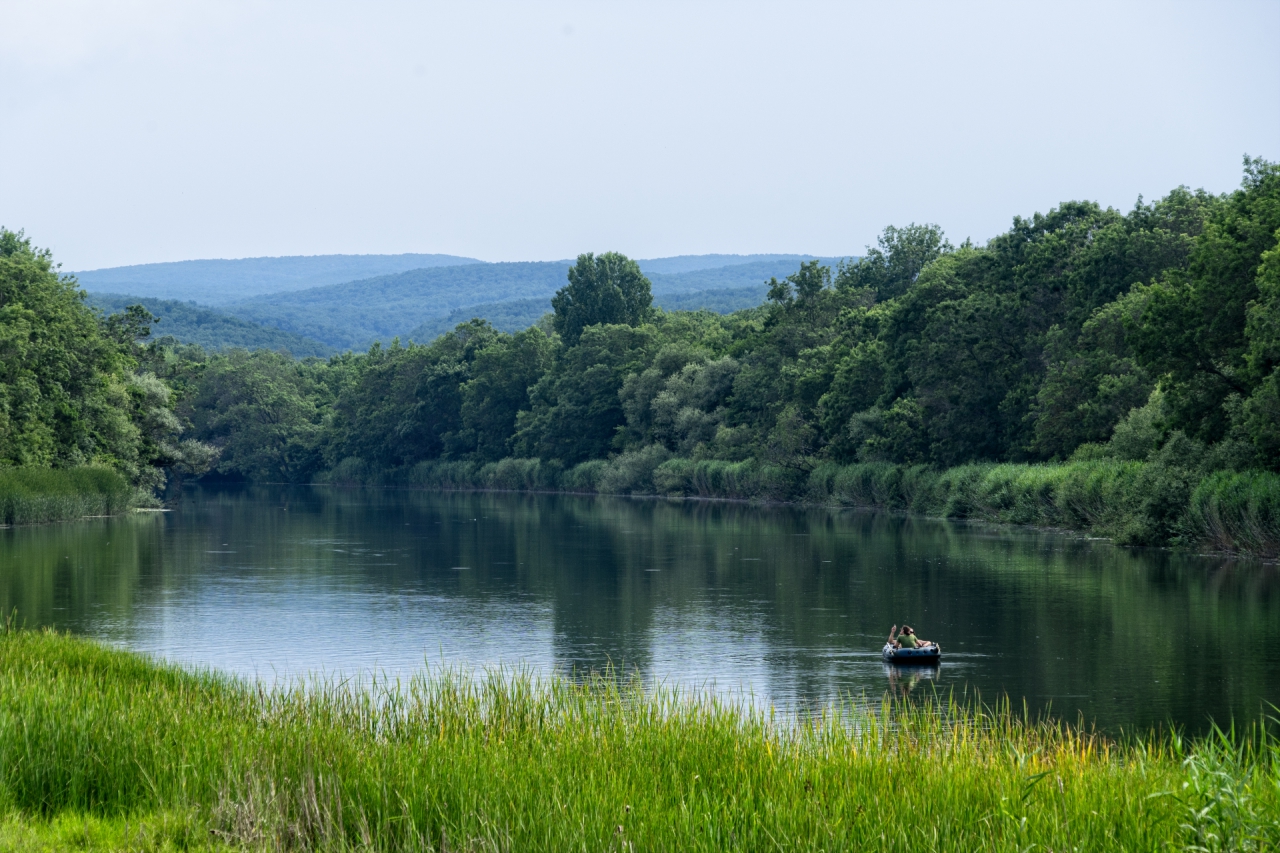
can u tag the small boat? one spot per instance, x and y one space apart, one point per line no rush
930 655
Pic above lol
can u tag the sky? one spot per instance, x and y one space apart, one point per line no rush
137 132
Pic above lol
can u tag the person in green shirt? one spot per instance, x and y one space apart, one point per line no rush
908 639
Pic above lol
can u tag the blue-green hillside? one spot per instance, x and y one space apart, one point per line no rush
751 274
691 263
421 304
216 282
210 328
355 314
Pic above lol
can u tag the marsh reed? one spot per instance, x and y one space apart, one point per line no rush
105 745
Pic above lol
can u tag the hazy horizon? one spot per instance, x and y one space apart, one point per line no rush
154 132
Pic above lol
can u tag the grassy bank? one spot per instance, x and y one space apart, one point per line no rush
103 744
1135 503
30 495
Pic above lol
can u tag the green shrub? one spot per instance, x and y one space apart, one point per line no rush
30 495
351 472
436 474
1160 501
716 478
584 477
521 475
1238 511
958 491
632 472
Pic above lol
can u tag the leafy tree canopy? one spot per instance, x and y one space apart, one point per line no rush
609 289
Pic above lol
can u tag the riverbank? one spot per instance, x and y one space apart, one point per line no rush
105 745
1156 503
32 495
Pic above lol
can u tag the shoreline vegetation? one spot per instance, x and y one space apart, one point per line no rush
35 495
1092 369
1129 502
105 749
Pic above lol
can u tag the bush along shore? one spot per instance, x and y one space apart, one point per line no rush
1167 501
31 495
103 748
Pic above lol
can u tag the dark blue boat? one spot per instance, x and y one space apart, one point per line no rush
930 655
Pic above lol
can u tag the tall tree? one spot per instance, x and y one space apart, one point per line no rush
901 253
1191 332
608 289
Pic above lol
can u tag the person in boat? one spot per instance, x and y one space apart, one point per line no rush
908 640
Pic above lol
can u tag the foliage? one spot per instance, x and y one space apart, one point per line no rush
502 373
608 290
1238 511
71 393
574 408
894 265
260 410
1204 330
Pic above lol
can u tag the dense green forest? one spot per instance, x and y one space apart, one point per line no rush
74 394
1140 348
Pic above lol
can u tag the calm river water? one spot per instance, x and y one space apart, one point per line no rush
792 605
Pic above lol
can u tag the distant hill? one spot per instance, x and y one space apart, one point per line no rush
215 282
732 276
723 300
323 300
690 263
516 314
355 314
511 315
422 302
210 328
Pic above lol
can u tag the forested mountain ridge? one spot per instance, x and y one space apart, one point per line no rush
354 314
219 281
412 304
210 328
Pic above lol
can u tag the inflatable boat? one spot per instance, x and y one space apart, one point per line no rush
931 655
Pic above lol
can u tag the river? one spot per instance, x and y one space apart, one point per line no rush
788 605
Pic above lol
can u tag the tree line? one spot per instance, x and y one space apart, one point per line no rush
1082 333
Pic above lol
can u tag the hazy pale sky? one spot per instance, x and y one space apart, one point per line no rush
134 132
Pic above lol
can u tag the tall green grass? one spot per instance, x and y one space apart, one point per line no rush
1138 503
30 495
510 761
1134 503
1238 511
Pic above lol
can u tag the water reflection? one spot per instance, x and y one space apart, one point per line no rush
793 605
903 680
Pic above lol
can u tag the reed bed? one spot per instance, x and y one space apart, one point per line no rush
32 495
1131 502
106 744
